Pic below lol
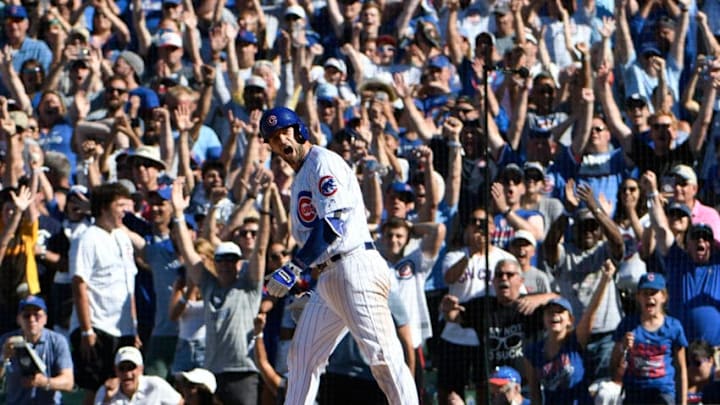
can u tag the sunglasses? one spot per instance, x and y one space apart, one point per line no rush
679 181
246 232
534 176
547 90
125 367
513 180
480 223
661 126
676 214
598 129
701 234
116 90
28 315
503 274
31 70
589 225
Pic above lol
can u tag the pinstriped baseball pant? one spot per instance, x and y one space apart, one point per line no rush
352 294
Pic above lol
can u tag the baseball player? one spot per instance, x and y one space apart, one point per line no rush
328 222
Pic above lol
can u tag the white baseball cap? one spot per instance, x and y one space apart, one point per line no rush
524 235
129 353
202 377
228 248
170 39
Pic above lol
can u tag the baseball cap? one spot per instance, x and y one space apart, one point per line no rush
337 64
676 206
698 231
635 99
505 374
15 12
134 60
326 92
524 235
255 81
439 62
650 48
200 376
537 166
501 9
686 173
511 172
32 301
562 302
20 118
403 190
246 37
666 22
295 10
651 281
165 193
128 353
385 40
227 249
170 39
78 32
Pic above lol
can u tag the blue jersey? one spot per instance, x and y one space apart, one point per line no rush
694 292
650 362
563 376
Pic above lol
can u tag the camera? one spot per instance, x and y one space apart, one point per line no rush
26 358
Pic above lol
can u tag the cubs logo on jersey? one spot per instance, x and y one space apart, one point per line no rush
327 186
405 270
305 211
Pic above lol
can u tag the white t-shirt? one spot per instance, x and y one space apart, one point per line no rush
72 230
468 286
409 274
106 263
151 390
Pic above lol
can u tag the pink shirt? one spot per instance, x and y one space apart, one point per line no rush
702 214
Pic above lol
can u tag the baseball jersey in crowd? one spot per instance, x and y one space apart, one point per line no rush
161 257
105 262
638 81
650 361
603 172
229 314
694 294
504 231
151 390
337 190
470 285
563 376
509 330
53 350
578 275
59 139
409 280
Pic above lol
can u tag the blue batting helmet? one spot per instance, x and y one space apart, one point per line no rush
279 118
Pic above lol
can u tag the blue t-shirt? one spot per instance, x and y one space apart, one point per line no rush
162 259
650 360
603 172
694 292
59 139
53 350
563 376
206 147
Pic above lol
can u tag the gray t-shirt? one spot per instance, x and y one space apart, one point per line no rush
229 314
578 275
537 281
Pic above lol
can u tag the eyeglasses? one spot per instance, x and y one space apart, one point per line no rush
503 274
32 70
659 126
481 223
598 129
116 90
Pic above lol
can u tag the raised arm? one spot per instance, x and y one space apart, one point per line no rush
452 127
432 234
258 256
613 117
624 47
658 220
193 261
608 226
453 36
584 327
21 201
688 94
711 44
140 26
704 119
677 47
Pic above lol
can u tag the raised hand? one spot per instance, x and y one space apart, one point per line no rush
497 191
184 121
452 127
608 27
586 195
571 200
22 199
283 279
179 202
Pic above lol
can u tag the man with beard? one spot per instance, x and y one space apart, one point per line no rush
509 327
693 278
130 385
115 95
576 268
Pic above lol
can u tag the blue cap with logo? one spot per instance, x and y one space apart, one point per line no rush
651 281
32 301
15 12
505 374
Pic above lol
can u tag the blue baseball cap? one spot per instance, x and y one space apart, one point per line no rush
439 62
698 231
403 190
651 281
650 48
326 92
504 375
562 302
175 2
15 12
676 206
246 37
32 301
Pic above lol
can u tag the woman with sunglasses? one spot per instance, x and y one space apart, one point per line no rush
557 360
650 349
631 218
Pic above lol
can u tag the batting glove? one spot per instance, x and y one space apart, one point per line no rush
282 279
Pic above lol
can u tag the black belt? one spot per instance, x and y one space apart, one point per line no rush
322 266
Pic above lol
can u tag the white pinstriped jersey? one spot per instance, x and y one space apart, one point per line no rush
324 185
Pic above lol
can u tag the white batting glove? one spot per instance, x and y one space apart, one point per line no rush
283 279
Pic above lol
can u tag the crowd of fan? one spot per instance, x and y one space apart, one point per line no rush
141 208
